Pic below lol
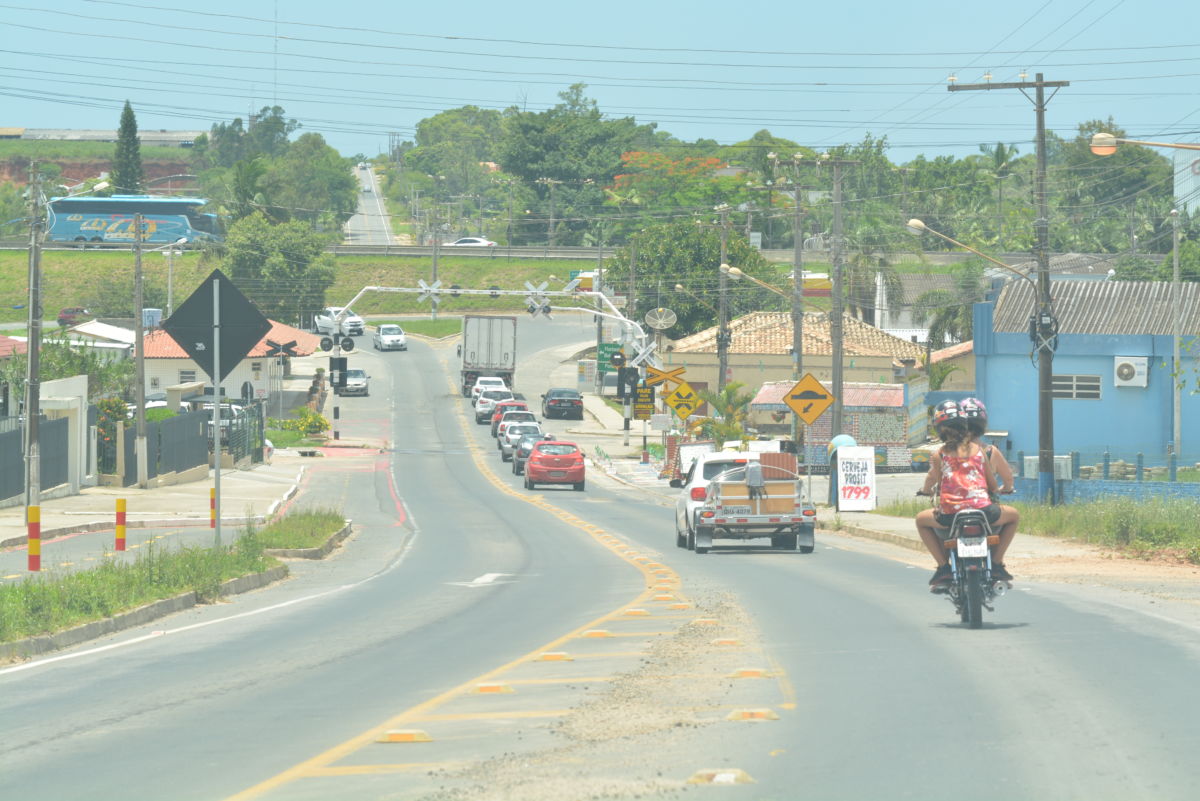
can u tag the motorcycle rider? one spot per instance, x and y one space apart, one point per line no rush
963 481
976 415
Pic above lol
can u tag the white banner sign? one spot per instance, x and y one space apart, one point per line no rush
855 478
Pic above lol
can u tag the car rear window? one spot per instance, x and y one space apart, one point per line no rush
520 430
563 393
558 449
497 394
518 417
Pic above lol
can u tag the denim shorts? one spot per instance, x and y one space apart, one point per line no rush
991 512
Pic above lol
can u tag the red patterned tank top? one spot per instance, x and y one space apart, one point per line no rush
964 485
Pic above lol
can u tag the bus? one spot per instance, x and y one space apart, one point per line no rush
109 220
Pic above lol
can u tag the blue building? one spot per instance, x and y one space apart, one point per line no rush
1113 385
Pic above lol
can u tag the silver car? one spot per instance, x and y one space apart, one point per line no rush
514 434
389 337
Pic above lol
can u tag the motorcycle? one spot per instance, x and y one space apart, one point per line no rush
968 544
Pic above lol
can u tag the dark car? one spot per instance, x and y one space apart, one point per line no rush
521 453
562 402
71 315
554 462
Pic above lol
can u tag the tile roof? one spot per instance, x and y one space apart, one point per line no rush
854 394
771 333
159 345
1102 307
952 351
9 346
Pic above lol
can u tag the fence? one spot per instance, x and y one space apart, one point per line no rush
52 449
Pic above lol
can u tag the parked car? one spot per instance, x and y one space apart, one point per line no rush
487 402
562 402
693 488
504 407
555 462
352 324
513 434
356 383
470 242
389 337
521 453
486 382
72 315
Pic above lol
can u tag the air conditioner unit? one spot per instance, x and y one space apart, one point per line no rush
1130 371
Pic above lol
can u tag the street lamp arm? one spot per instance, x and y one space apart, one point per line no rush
918 227
1105 144
738 273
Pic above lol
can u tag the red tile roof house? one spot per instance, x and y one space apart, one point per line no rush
257 375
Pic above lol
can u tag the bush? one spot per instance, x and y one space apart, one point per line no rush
304 420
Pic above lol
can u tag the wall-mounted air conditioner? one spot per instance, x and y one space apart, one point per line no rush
1130 371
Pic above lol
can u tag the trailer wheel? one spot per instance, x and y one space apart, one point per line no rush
806 549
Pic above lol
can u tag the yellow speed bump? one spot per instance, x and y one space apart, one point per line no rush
721 776
749 673
555 656
705 621
752 714
405 736
653 565
728 641
493 687
664 596
596 633
679 606
636 612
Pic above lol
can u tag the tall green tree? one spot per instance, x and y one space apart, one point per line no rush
127 163
66 359
282 267
730 409
1002 159
311 182
950 313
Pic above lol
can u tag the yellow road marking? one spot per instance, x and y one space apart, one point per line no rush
369 770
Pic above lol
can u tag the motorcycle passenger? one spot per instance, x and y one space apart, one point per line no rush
976 414
957 470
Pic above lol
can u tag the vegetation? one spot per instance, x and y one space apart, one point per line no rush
304 422
48 603
730 408
437 329
60 360
127 175
302 529
282 267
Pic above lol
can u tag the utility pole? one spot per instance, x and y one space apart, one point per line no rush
798 315
1176 368
631 302
139 356
437 247
33 388
836 333
723 317
1045 326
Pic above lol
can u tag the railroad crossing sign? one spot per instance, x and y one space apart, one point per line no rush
643 354
808 399
430 292
656 376
643 402
683 400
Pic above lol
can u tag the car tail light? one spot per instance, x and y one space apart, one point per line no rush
699 493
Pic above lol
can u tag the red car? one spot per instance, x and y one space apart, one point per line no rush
554 462
505 406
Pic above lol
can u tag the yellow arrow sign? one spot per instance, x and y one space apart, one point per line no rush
684 400
808 399
656 376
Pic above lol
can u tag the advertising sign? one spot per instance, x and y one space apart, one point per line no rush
855 478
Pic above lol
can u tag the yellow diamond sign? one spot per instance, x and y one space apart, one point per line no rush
808 399
684 400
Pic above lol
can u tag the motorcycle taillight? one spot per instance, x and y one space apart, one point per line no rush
972 531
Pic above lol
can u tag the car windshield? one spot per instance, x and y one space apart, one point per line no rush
356 374
558 449
390 330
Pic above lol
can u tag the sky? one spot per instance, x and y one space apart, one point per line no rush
357 71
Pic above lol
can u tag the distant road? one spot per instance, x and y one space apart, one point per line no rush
370 226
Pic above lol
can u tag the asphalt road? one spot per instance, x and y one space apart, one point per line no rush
458 577
370 225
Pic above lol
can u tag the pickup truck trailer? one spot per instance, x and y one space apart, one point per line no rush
774 508
488 348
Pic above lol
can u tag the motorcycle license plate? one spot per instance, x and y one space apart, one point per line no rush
972 547
736 510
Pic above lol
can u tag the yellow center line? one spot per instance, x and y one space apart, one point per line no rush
369 770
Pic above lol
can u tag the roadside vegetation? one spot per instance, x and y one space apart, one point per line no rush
50 602
302 529
1163 528
437 329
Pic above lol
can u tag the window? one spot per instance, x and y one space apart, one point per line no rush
153 382
256 367
187 376
1076 387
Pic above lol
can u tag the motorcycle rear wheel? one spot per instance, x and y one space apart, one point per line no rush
973 606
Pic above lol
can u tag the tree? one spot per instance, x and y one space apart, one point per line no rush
950 313
127 163
311 182
1000 167
730 409
281 267
66 359
247 196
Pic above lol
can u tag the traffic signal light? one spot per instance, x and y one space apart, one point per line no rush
617 360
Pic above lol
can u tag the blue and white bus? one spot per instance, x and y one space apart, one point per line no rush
109 220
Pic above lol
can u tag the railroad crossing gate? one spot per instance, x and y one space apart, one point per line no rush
684 400
808 399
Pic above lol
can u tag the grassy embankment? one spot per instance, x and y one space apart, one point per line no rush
51 602
1163 528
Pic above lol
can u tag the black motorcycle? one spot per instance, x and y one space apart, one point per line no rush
968 544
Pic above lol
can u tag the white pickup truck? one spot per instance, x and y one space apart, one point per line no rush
740 504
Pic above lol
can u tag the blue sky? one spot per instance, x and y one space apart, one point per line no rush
818 74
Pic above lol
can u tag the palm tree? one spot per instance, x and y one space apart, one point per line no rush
1003 157
868 265
949 312
730 409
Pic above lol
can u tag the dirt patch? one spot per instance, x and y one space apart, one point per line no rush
1161 577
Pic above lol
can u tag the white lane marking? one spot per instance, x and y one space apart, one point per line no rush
404 552
486 580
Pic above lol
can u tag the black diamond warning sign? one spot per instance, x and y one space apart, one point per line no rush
241 325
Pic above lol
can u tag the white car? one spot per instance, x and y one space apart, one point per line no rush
486 382
390 337
487 403
514 434
470 242
352 324
694 486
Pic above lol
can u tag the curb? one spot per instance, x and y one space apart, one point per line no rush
312 553
35 646
870 534
105 525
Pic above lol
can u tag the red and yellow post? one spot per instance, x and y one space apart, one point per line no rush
33 521
120 524
212 507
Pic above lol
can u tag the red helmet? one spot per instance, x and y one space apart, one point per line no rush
973 408
946 411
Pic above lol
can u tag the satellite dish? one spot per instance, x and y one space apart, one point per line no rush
660 319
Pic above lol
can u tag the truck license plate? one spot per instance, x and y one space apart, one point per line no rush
736 510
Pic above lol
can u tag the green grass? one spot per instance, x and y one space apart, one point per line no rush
1165 527
38 149
305 529
291 439
50 602
441 327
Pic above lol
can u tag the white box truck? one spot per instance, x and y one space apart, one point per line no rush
488 348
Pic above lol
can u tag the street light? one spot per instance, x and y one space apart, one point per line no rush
170 253
1044 332
1105 144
